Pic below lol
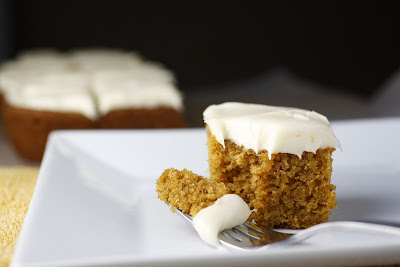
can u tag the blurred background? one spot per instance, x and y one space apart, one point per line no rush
318 55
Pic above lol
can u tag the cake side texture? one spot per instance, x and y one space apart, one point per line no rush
28 129
286 191
134 118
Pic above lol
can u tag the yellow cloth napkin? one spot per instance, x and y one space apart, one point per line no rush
16 188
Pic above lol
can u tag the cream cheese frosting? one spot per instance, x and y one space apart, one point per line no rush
58 92
271 128
104 59
227 212
144 72
12 79
76 102
129 93
16 73
39 53
38 63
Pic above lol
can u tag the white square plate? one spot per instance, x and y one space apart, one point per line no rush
95 202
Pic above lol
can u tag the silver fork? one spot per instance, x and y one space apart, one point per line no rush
248 236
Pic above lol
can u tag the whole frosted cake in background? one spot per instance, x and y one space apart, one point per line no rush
46 90
277 159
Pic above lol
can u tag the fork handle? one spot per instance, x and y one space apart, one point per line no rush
340 225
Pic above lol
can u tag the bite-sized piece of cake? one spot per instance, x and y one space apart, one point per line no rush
54 102
209 202
277 159
187 191
129 101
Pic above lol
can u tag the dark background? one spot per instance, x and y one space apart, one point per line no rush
353 45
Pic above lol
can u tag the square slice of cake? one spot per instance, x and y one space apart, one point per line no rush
128 101
50 102
277 159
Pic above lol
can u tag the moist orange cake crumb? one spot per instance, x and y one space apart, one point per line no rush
188 191
286 191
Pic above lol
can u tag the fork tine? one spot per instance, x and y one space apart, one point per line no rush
232 240
250 228
231 234
242 237
239 238
183 215
244 232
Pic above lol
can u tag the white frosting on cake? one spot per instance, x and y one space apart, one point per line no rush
38 63
39 53
74 102
128 93
91 60
58 93
227 212
144 72
30 68
275 129
11 79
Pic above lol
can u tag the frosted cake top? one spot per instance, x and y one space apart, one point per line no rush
92 82
56 92
271 128
129 93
